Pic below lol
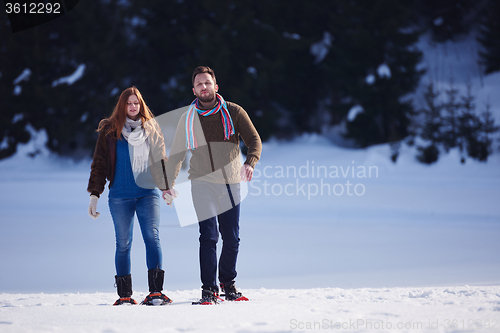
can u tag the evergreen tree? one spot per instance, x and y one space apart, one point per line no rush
489 37
431 126
455 124
479 141
468 123
451 112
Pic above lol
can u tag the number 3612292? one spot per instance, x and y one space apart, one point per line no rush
33 8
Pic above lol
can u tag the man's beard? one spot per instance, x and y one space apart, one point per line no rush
210 97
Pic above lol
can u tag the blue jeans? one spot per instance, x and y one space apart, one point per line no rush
148 213
207 197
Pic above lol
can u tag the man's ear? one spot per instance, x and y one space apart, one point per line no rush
194 92
216 88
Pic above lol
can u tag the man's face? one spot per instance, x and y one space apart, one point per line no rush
205 88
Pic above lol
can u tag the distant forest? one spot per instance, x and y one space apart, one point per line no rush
295 66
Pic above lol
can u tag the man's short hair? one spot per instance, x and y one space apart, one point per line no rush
204 69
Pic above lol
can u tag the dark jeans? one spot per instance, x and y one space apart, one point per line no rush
148 213
217 203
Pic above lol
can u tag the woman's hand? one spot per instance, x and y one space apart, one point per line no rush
169 196
93 207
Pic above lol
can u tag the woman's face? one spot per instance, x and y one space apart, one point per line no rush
133 107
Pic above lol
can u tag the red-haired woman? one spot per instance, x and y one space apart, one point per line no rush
130 153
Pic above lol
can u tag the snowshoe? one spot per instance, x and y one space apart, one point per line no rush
125 300
156 298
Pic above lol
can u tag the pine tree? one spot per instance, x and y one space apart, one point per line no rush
432 114
489 37
431 126
450 113
479 143
454 124
467 122
475 130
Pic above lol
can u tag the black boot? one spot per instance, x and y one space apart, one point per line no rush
231 293
124 288
209 296
155 281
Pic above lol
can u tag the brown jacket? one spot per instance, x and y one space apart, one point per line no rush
215 160
104 160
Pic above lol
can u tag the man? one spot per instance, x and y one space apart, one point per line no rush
211 129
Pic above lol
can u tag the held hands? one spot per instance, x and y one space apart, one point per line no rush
246 173
93 207
169 196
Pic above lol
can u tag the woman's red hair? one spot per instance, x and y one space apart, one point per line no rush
117 119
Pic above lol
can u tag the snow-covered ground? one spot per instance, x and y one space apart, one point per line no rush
437 309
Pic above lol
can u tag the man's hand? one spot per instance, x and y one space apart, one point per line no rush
246 173
169 196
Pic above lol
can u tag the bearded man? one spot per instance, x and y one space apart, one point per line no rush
211 130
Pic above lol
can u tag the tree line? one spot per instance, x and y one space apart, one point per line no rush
295 66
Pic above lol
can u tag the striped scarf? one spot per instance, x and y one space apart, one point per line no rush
227 122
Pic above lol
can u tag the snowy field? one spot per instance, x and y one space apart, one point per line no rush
438 309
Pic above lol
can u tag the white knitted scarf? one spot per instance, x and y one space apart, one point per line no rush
135 135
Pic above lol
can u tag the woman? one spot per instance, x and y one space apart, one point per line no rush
130 154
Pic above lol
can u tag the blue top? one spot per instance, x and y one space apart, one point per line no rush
124 185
